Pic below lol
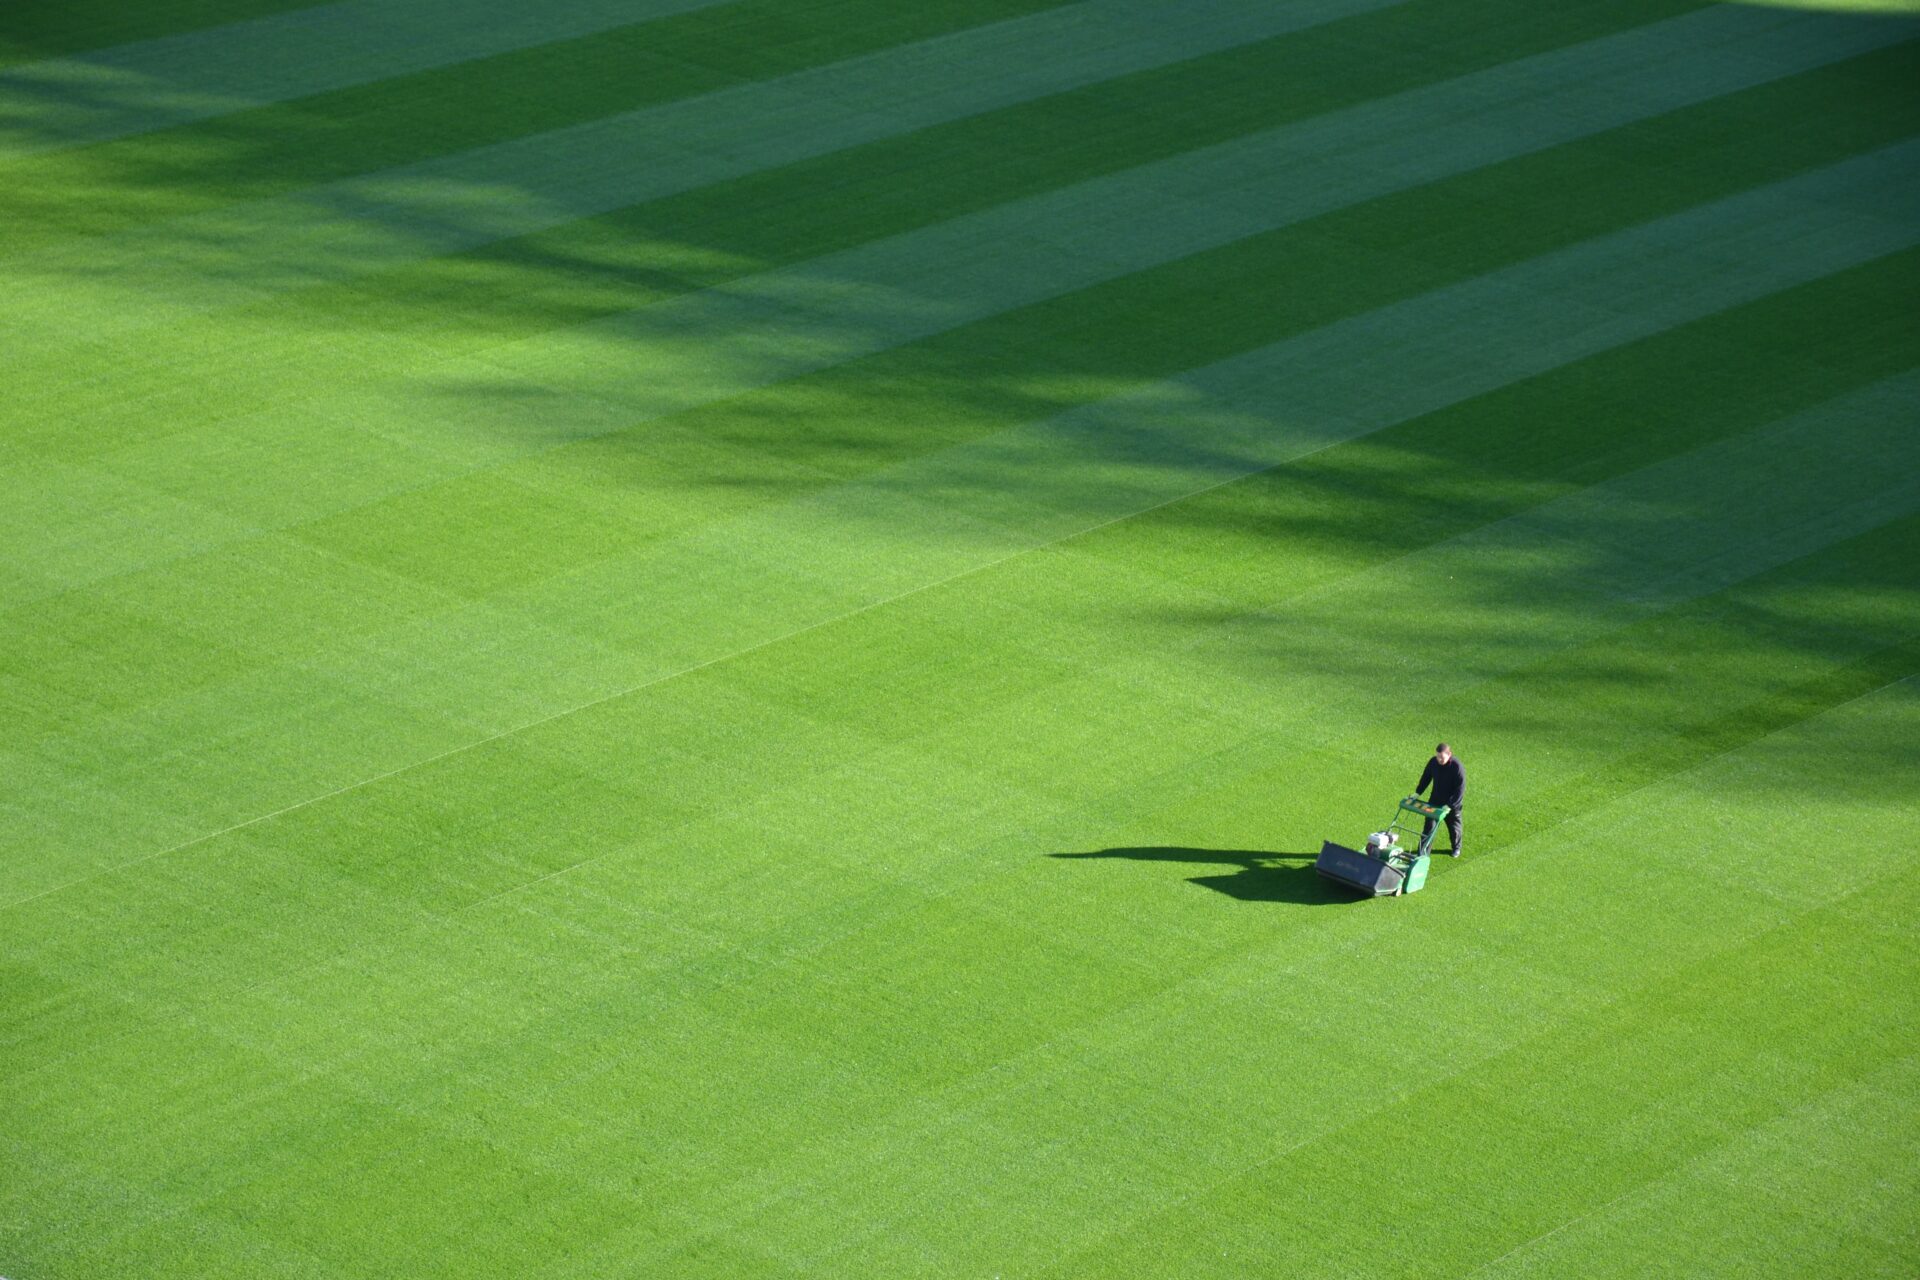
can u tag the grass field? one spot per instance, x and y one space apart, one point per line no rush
711 638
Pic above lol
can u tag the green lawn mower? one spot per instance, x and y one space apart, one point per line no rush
1385 868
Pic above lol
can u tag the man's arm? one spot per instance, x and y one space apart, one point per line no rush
1426 776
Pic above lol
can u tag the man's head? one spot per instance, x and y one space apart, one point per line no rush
1443 753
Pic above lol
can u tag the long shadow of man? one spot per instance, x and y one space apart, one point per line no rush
1262 876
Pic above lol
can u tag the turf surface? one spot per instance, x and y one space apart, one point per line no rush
711 639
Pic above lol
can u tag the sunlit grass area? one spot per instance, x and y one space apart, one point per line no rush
714 639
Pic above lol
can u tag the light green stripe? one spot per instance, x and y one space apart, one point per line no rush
244 252
155 84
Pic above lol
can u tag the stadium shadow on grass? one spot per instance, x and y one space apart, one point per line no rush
1262 876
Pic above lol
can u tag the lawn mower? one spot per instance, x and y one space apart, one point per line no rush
1385 867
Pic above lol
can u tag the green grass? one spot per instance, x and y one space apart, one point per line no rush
716 644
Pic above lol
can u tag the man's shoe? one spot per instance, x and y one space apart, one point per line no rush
1453 853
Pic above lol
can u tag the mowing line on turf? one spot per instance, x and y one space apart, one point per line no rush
893 289
1792 1134
1438 1094
716 423
1340 367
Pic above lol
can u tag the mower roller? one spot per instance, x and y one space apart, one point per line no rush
1385 868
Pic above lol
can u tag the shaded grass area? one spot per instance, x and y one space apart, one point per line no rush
253 154
602 266
1493 456
32 31
668 875
1209 306
890 187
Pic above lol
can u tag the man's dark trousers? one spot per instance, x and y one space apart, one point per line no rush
1453 829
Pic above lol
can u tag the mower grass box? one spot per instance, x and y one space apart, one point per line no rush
1385 868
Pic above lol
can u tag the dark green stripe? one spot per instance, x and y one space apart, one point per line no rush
280 148
35 29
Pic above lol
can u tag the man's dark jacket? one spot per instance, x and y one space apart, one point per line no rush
1449 782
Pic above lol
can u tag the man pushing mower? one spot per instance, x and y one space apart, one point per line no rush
1387 868
1449 782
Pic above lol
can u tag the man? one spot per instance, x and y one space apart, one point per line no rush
1449 782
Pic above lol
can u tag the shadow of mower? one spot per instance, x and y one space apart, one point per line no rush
1263 876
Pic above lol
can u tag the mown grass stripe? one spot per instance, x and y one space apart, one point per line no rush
164 82
1252 412
1758 1182
230 256
1626 407
1672 727
50 31
1617 549
98 190
1305 393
